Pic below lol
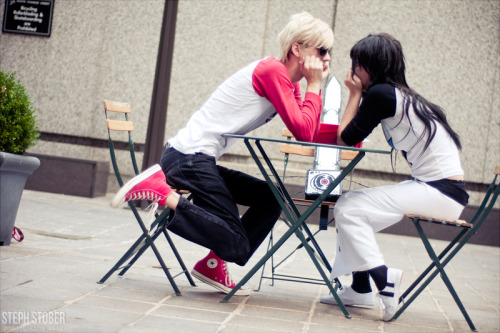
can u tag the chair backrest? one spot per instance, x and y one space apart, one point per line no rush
121 125
122 110
489 200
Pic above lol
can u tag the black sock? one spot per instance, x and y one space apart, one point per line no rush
379 276
361 282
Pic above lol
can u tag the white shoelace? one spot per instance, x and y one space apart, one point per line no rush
145 195
229 282
152 209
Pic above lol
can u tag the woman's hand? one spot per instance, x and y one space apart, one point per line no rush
353 83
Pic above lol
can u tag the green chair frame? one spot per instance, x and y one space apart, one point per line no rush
148 237
468 229
324 207
296 218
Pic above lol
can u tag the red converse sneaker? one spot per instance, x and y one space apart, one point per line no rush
213 271
148 185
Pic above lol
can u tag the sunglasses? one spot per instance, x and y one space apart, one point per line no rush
323 51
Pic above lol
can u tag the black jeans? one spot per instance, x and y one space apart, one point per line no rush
212 220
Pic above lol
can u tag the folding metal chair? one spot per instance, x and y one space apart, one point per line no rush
468 229
149 235
325 207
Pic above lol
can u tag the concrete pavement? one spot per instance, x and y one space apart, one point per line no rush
48 282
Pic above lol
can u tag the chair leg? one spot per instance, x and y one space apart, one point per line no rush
311 239
454 294
431 266
322 273
157 233
145 241
437 267
162 264
179 259
160 220
445 278
262 277
137 246
139 253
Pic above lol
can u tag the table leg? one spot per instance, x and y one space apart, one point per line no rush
295 223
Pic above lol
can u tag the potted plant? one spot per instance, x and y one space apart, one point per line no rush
18 131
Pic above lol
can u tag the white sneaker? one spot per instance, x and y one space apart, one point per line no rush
349 297
389 296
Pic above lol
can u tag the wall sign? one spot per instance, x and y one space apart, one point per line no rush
32 17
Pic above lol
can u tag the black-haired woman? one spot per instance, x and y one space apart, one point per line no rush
379 94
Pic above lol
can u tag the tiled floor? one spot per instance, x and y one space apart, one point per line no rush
48 282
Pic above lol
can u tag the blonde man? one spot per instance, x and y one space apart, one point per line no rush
245 101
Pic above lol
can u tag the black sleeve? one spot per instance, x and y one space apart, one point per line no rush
378 103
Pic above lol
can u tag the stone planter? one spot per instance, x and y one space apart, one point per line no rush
14 170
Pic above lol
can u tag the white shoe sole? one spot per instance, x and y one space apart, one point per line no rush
217 285
120 195
330 300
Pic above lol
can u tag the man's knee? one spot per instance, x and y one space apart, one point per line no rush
267 196
237 252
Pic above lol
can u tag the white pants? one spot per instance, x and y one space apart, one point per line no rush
361 213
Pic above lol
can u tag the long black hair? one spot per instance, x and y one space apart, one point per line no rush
381 55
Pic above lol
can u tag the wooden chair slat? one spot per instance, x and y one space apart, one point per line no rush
348 155
297 150
460 223
116 106
309 202
119 125
286 132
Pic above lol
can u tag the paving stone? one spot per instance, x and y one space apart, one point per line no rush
207 314
115 304
178 325
75 313
267 323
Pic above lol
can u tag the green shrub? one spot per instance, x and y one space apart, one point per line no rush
18 126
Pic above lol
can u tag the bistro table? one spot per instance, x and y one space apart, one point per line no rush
297 221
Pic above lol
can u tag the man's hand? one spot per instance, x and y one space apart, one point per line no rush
315 71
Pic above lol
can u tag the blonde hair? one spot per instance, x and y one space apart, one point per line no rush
303 28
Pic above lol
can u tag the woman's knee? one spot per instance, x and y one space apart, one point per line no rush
347 207
343 204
